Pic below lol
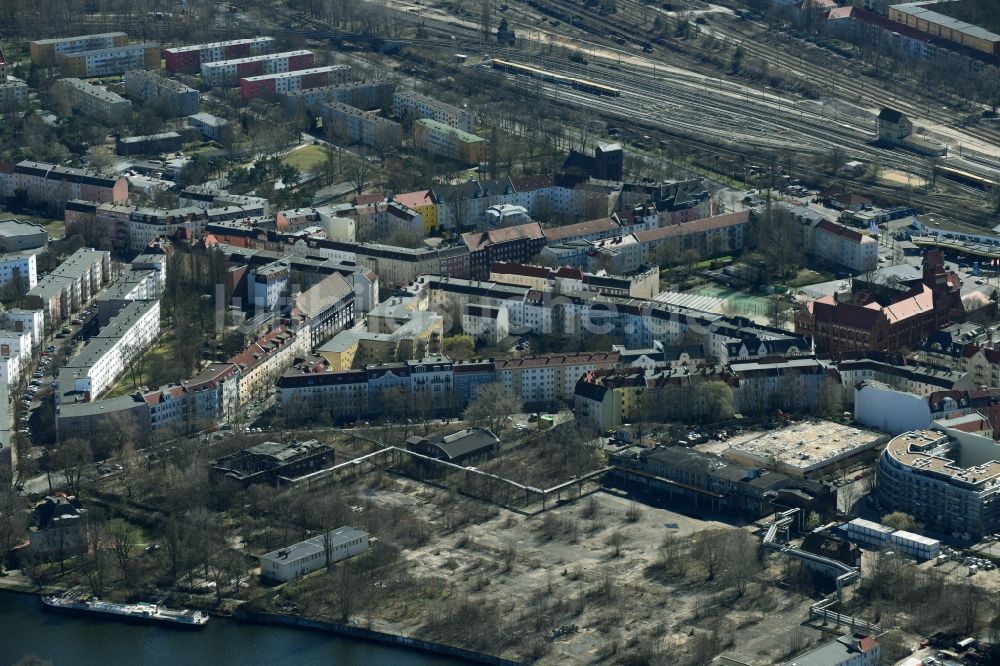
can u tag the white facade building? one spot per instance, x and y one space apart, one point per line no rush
313 554
19 265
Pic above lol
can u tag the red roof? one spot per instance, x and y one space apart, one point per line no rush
476 240
416 199
852 235
367 199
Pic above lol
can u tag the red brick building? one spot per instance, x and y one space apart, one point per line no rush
883 319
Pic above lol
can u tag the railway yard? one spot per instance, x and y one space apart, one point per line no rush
825 103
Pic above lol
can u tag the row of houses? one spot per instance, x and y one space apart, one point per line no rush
229 72
53 185
132 228
188 59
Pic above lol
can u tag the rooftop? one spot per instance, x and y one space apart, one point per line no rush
298 72
973 462
448 129
315 545
212 45
804 445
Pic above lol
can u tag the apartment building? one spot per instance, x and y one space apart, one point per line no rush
417 106
190 58
269 85
945 478
209 398
13 94
162 93
110 61
328 307
365 95
133 228
46 52
70 286
708 237
19 267
16 343
357 126
94 101
921 379
567 280
512 244
134 285
108 354
28 321
229 72
446 141
844 246
268 357
55 185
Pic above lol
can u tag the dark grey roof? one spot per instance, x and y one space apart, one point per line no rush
890 115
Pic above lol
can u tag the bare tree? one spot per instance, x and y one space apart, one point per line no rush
73 457
492 407
122 539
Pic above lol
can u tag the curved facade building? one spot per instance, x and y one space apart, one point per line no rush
947 480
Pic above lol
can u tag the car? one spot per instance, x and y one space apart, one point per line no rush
76 322
37 374
36 382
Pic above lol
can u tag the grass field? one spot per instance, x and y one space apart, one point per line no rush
307 158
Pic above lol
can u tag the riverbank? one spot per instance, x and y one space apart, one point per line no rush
29 629
372 635
19 585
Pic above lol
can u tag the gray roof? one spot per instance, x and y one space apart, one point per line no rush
459 444
302 549
12 227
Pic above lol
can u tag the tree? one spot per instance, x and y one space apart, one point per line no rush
898 520
95 561
709 549
777 311
122 539
741 551
13 521
492 407
73 457
358 172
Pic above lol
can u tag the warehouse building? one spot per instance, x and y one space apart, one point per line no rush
272 461
150 144
297 560
16 235
459 447
921 16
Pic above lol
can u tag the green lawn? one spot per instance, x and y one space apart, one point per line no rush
163 347
305 159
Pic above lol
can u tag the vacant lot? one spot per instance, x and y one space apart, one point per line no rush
600 580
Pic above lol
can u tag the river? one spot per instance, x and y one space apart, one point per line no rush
67 640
